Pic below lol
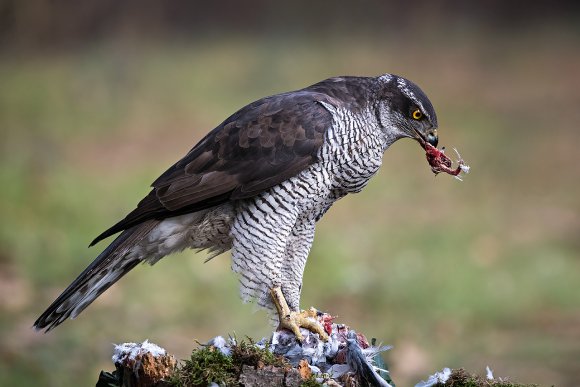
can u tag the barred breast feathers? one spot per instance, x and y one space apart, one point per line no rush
354 148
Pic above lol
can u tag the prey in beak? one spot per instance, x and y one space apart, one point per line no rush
436 158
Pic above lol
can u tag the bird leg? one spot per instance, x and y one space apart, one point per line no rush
292 320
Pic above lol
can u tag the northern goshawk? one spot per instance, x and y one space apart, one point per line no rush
257 184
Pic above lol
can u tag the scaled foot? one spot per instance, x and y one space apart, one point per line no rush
293 321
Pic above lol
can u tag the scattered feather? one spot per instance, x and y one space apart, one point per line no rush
436 378
488 373
130 351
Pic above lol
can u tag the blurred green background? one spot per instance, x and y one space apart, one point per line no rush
98 98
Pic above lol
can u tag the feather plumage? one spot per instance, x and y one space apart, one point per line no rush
113 263
256 148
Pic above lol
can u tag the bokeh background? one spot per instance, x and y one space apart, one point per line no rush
98 98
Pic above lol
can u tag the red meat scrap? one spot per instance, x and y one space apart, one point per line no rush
439 162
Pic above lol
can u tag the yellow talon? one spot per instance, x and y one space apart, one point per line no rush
293 321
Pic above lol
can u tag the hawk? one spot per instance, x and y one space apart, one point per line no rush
257 184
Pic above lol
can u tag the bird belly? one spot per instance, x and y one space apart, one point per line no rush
207 229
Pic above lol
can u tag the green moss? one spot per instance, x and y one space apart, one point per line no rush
310 382
460 378
247 353
206 365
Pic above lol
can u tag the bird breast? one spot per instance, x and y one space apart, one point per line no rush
353 150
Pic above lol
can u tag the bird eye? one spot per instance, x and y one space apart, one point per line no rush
417 114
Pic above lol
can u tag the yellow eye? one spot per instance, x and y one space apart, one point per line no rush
417 114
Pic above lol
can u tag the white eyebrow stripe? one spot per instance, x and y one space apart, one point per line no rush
405 89
386 78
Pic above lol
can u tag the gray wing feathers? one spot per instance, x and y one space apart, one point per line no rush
256 148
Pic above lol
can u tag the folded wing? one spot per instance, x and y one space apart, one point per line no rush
258 147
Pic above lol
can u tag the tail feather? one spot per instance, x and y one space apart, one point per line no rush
112 264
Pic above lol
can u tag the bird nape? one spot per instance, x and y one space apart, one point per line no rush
257 184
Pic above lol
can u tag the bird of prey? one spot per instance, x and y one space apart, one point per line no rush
257 184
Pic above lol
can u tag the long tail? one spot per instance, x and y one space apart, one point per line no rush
112 264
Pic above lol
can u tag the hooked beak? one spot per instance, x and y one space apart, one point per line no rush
430 137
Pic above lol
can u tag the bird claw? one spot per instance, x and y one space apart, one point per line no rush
293 320
303 319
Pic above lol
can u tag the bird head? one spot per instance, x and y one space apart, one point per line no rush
404 111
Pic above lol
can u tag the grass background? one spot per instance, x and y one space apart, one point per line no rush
483 272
